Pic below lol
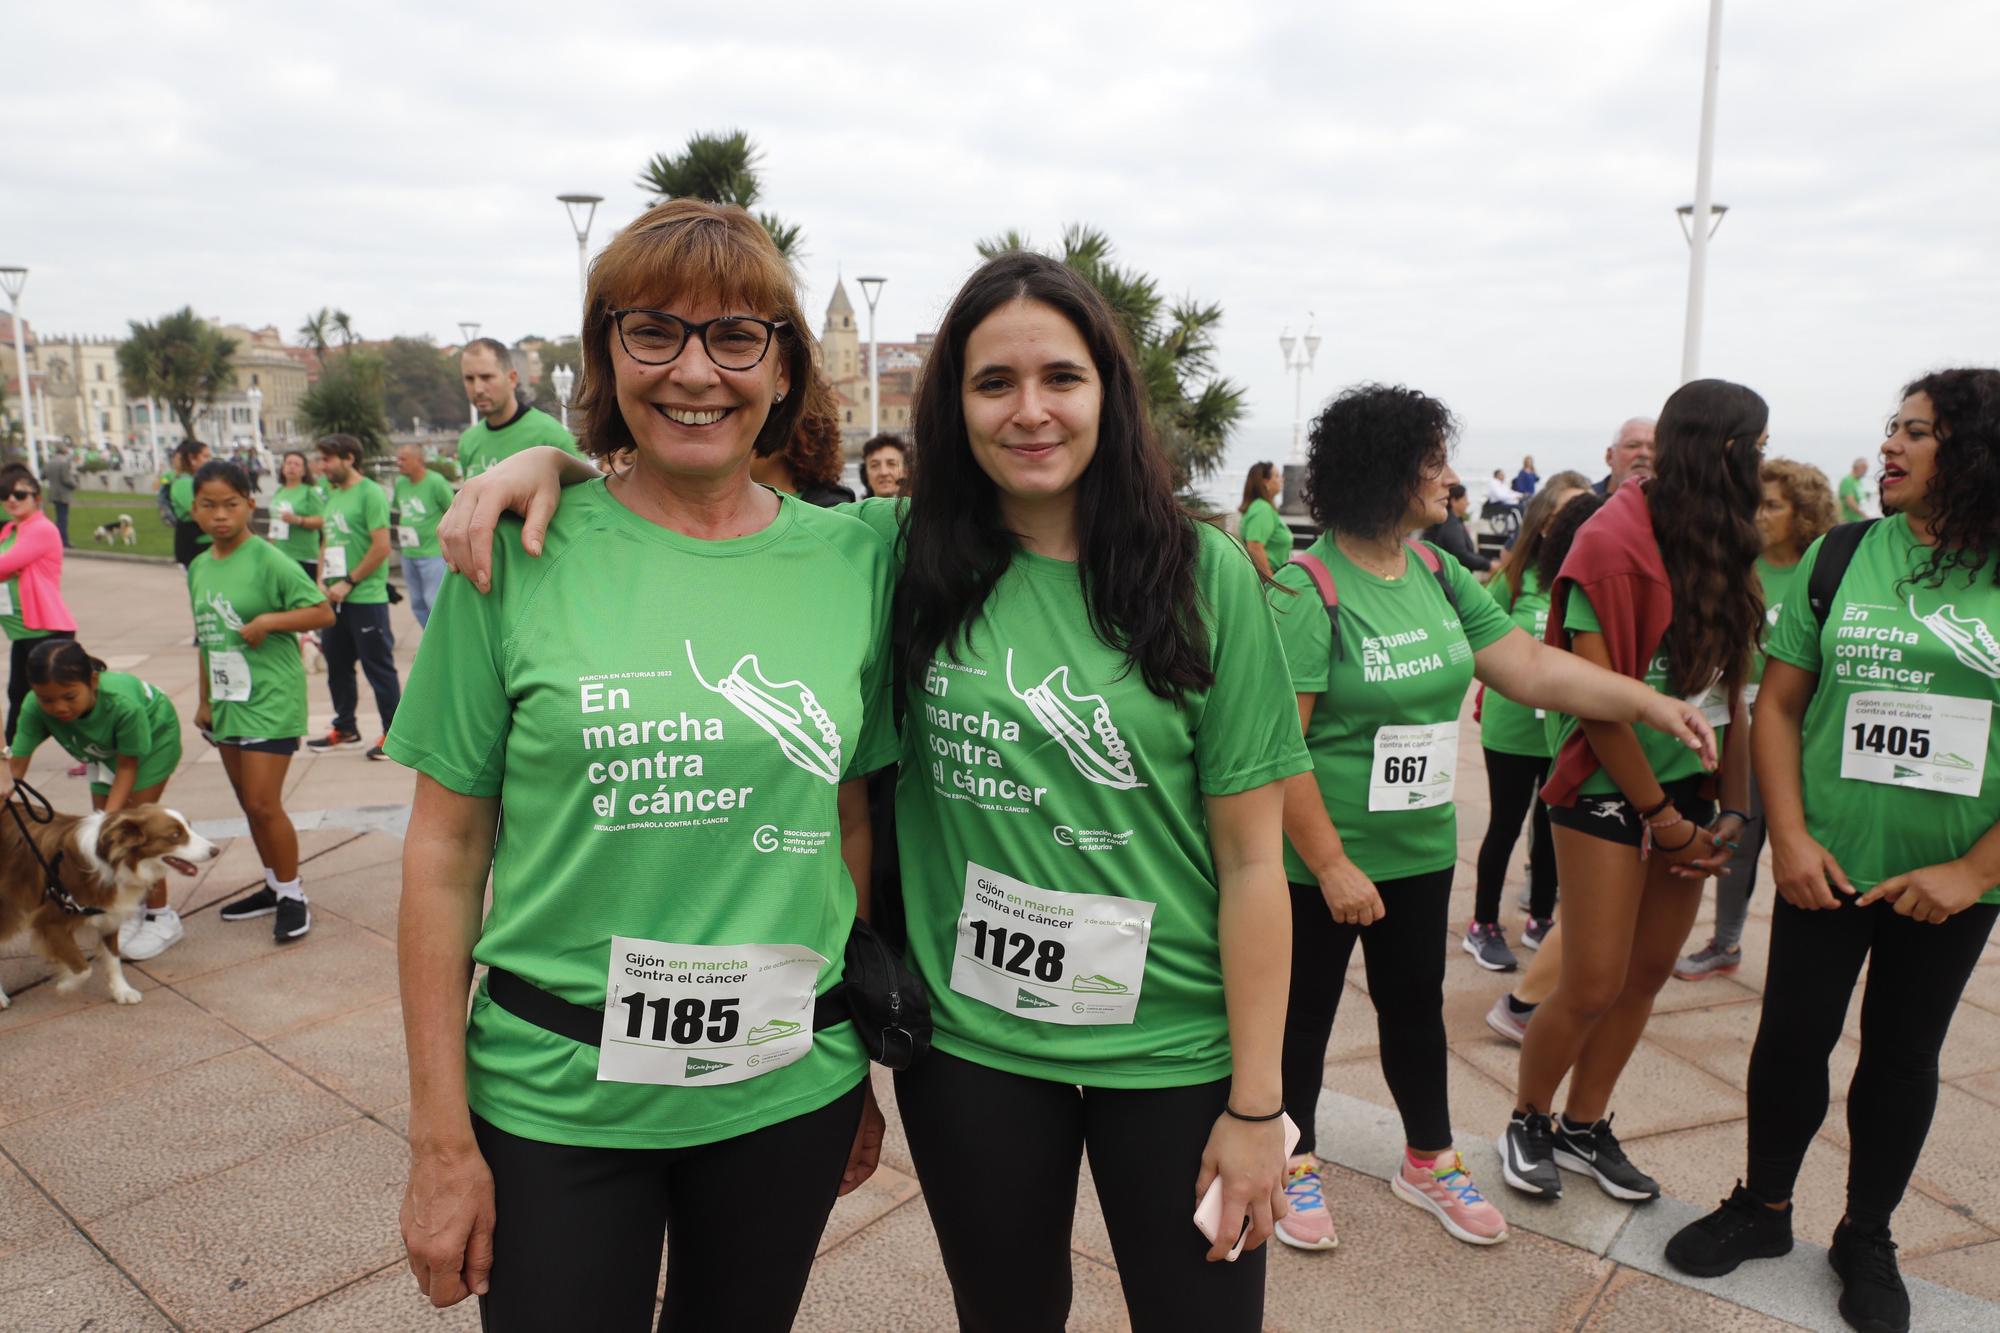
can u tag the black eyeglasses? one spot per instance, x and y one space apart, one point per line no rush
733 342
22 495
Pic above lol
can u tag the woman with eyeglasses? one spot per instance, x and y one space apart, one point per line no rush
31 604
657 736
1880 769
1098 729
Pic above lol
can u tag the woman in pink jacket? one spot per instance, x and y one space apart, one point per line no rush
31 604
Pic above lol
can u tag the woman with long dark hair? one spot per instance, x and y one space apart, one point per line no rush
1516 748
1383 636
1658 587
1796 511
1265 533
1098 728
1882 788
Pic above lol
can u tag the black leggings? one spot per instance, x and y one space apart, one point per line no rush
998 1155
1404 954
1916 973
1513 787
17 678
577 1232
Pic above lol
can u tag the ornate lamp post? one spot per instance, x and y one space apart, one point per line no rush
871 291
468 329
564 379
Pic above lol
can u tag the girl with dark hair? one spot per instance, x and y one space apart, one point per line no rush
298 512
190 538
250 604
31 604
1383 637
1797 510
1516 747
1098 727
1882 789
1265 534
128 735
1657 587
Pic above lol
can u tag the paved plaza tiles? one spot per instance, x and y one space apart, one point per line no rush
229 1154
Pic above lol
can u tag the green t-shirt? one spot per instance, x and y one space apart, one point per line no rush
228 593
305 502
1670 760
1038 766
130 717
1263 523
1850 499
664 721
1504 725
353 515
10 619
180 495
1899 651
480 446
1405 662
419 507
1776 581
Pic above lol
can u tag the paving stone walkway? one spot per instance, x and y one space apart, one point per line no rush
229 1154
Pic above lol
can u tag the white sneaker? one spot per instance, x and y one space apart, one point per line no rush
149 934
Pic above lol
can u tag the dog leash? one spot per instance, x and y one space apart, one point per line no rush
24 801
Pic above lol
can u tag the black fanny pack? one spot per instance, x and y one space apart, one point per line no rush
888 1004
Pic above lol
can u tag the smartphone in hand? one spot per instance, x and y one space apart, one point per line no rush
1208 1214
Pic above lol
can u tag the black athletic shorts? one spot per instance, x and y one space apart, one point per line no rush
1615 819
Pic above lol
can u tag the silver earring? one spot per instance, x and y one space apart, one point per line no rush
779 399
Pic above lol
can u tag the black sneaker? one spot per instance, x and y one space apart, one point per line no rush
376 751
1742 1228
1594 1151
335 739
261 903
1872 1296
295 918
1527 1155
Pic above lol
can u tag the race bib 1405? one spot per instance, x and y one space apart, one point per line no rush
1933 741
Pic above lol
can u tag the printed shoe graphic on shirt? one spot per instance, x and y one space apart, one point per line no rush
1967 637
774 1030
225 611
782 709
1095 748
1098 985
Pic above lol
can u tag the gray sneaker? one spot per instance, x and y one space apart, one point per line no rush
1711 961
1488 947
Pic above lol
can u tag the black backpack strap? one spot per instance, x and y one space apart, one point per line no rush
1836 553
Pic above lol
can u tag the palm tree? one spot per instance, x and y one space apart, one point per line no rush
721 168
317 331
180 359
344 326
1194 410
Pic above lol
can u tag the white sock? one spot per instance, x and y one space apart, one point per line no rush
290 889
270 878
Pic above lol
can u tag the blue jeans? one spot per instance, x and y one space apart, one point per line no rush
62 519
423 575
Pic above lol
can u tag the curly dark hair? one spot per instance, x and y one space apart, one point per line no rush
1809 496
1369 453
1136 546
814 451
1963 498
1561 532
1704 497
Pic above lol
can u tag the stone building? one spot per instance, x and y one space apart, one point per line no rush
846 364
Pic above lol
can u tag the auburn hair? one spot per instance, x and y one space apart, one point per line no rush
677 253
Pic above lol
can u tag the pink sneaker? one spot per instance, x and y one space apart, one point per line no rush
1308 1226
1443 1188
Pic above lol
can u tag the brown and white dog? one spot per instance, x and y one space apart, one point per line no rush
109 862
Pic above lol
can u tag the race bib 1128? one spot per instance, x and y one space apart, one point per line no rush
1050 957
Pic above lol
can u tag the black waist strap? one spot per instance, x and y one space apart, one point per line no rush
580 1023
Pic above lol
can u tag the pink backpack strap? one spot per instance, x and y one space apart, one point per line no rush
1329 594
1427 554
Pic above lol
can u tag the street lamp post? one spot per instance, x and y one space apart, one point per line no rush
871 290
468 329
12 280
1702 209
256 397
1299 354
582 212
564 378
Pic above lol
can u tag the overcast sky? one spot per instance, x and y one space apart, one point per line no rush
1472 198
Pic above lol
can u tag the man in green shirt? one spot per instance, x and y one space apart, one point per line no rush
505 427
351 569
422 496
1854 504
